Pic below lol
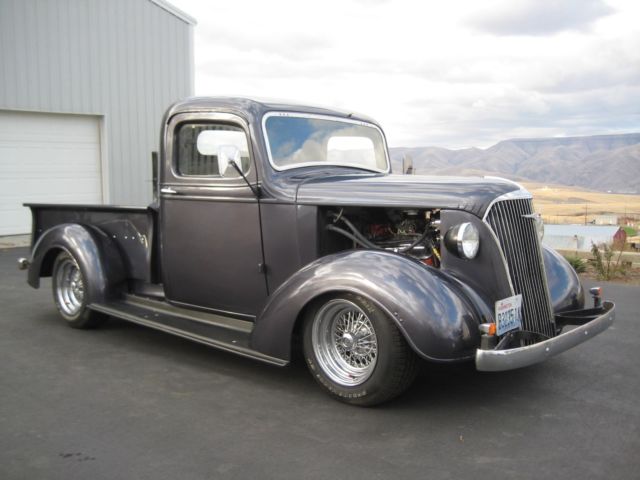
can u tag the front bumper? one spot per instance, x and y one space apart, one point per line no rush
590 323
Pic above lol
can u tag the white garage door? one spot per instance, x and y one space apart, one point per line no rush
46 158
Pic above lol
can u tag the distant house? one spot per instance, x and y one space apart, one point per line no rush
580 237
607 219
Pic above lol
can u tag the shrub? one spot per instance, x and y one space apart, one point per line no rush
606 266
578 264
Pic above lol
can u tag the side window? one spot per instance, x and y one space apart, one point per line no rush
199 144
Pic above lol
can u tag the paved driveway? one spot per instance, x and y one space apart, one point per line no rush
127 402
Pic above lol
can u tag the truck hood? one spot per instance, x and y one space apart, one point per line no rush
472 194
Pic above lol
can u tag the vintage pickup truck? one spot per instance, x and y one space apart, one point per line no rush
279 226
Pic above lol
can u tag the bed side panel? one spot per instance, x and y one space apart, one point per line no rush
130 228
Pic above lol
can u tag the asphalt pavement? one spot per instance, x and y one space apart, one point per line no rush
126 402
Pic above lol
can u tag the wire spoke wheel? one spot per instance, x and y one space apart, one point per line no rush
354 350
345 342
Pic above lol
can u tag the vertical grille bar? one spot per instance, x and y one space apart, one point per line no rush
521 247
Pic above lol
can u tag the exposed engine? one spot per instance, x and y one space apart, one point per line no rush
411 232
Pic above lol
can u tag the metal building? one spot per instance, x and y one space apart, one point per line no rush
580 238
83 86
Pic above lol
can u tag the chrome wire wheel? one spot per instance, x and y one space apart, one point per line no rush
69 287
344 342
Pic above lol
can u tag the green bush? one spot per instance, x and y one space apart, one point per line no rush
608 268
578 264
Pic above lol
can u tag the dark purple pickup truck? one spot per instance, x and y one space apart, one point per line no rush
279 226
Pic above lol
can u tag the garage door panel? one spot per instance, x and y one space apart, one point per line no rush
57 127
37 189
46 167
46 158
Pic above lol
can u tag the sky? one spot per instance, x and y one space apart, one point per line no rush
451 73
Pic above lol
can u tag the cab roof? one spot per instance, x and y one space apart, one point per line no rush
254 108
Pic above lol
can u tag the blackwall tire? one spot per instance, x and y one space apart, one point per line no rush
69 293
355 352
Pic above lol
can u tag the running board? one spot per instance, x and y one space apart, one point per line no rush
228 334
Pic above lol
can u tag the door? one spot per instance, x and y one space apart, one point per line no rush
46 158
210 223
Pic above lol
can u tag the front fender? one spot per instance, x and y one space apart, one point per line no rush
430 308
97 257
564 285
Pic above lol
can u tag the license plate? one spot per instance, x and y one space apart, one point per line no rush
508 314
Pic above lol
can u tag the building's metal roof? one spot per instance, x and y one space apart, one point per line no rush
175 11
578 237
581 230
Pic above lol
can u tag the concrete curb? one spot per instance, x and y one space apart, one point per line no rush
15 241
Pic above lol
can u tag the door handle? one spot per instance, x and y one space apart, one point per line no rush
168 190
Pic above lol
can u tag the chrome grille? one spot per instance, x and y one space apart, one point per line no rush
521 248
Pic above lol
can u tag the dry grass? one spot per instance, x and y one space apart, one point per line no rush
562 204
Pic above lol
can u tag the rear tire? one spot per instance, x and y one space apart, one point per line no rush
69 293
355 352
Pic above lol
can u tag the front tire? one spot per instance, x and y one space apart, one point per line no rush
69 293
355 352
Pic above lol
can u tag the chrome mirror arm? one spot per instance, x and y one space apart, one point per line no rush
254 189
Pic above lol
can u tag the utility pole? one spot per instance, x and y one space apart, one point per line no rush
585 213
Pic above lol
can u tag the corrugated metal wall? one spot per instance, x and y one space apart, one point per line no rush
126 60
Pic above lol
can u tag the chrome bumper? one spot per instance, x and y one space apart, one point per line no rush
509 359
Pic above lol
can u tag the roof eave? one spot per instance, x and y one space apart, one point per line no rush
185 17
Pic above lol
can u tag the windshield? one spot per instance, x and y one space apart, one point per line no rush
299 140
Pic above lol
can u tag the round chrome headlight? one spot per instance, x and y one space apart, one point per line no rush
463 240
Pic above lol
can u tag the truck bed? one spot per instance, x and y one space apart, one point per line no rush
132 229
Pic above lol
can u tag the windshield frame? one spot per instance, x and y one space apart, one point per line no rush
334 118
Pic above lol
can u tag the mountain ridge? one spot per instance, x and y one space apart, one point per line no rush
598 162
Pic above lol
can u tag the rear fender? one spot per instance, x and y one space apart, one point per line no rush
97 257
430 308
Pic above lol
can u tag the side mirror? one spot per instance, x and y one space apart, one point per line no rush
230 165
227 154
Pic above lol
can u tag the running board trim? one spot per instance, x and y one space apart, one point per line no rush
212 319
237 341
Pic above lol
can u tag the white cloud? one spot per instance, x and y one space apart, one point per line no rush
432 73
535 17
